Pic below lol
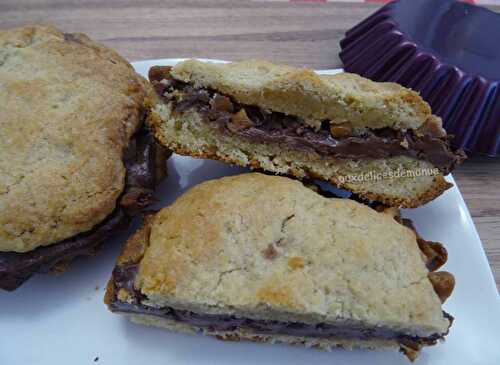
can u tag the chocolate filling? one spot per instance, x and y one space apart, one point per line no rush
124 275
224 114
145 164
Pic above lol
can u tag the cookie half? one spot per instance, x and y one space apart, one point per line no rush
264 258
75 160
378 140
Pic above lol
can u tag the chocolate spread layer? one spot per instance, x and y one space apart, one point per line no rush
145 164
224 113
124 276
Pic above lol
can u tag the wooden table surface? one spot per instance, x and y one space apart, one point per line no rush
300 34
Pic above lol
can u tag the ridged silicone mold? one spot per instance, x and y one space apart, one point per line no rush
448 51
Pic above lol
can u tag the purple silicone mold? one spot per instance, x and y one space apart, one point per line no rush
449 51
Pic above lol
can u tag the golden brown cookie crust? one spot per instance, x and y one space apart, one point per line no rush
69 108
301 92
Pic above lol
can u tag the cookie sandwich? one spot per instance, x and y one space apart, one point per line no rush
75 160
266 259
378 140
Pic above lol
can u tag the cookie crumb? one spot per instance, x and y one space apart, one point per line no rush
124 296
96 359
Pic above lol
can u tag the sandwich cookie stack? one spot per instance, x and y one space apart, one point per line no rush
265 258
76 162
292 121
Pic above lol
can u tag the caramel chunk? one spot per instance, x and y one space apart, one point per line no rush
341 130
433 127
434 252
222 103
239 121
136 199
409 348
443 283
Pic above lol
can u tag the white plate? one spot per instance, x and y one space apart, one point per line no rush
62 320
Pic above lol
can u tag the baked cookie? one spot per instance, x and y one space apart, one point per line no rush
264 258
378 140
75 163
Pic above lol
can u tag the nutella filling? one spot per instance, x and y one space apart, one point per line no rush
251 123
145 164
124 276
